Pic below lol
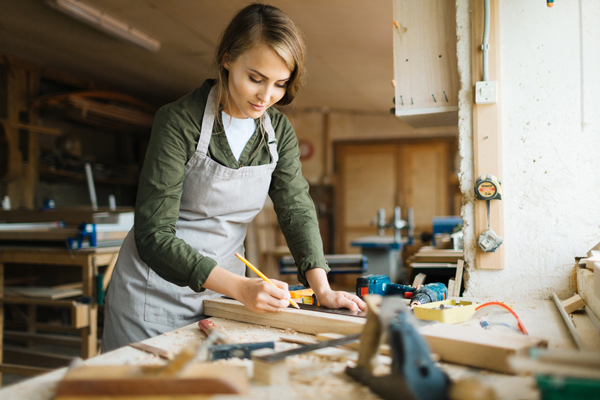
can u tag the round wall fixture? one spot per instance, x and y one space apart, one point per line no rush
306 149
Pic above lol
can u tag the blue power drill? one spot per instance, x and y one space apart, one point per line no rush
382 285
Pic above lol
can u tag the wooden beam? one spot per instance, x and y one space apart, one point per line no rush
300 320
43 338
476 347
15 355
458 278
456 344
22 370
487 131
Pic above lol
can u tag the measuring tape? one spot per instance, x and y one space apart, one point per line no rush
488 187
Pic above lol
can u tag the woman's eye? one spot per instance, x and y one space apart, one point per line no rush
254 80
282 86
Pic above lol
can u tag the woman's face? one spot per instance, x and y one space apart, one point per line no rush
257 80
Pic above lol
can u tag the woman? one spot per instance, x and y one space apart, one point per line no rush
214 156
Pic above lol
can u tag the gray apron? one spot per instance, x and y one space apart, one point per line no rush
217 204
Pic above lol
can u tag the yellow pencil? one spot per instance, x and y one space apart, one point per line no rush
257 272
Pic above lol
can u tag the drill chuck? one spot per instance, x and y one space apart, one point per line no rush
429 294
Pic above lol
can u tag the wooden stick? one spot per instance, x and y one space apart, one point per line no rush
568 322
167 355
458 278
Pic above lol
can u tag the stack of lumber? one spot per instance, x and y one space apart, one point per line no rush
429 256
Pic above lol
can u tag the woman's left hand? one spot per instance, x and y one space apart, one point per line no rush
335 299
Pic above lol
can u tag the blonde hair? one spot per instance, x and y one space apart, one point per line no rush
262 24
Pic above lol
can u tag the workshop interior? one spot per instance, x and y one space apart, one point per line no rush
451 152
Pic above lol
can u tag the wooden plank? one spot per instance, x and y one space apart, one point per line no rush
300 320
41 292
568 322
22 370
487 131
14 355
475 347
458 278
43 338
129 380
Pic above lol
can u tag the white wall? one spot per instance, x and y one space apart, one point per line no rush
550 93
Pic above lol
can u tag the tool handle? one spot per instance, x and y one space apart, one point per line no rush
206 325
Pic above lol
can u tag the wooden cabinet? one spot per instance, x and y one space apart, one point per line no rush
425 65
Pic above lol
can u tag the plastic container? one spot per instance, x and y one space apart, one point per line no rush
432 311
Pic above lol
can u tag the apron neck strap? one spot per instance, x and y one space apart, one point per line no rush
208 121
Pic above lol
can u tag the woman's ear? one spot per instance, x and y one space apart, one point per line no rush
226 59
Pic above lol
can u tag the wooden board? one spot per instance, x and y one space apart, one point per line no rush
42 292
127 380
476 347
304 321
487 131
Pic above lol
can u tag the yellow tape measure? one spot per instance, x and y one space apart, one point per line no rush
488 187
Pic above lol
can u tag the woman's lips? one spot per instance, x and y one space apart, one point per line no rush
257 108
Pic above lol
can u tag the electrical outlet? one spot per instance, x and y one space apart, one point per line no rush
486 92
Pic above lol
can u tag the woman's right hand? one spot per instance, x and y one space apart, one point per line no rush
260 296
256 294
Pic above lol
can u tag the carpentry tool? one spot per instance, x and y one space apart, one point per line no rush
273 357
84 230
429 293
414 375
381 285
488 187
257 272
238 350
228 349
209 327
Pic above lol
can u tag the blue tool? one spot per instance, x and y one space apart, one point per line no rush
84 230
429 293
414 375
381 285
240 350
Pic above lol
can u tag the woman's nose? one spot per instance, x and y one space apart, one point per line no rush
264 94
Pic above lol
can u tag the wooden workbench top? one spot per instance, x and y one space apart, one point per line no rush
312 376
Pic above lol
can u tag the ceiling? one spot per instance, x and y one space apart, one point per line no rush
349 46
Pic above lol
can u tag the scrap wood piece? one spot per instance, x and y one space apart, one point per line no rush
525 364
419 279
573 304
568 322
303 321
460 264
476 347
269 373
130 380
162 353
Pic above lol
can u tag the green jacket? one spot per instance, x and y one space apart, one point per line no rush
173 141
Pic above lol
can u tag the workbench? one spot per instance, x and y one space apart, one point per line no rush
313 376
83 315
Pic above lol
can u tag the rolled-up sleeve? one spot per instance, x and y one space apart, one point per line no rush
157 206
293 205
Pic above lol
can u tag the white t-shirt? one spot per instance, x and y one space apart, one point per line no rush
238 132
